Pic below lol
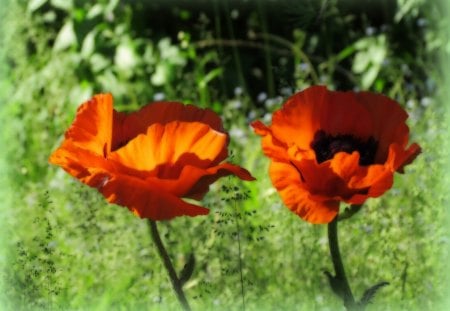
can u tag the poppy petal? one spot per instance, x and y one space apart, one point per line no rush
287 181
92 128
141 197
193 182
316 108
174 144
389 119
130 125
272 147
362 181
210 175
398 158
410 155
343 114
77 161
298 120
345 165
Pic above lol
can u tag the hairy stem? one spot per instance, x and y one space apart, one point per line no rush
176 283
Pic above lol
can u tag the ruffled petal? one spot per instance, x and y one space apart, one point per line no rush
193 182
315 109
345 165
77 161
321 181
361 181
204 179
143 198
299 118
398 158
130 125
297 198
92 128
169 147
80 163
388 119
343 114
122 133
272 147
373 183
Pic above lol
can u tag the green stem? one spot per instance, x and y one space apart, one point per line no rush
176 283
340 279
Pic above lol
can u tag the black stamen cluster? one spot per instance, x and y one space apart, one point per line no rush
326 146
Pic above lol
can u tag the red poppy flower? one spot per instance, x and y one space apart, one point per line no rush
150 159
327 147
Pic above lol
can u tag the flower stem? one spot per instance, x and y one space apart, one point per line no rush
176 283
339 282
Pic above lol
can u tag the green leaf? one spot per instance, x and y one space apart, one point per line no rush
88 45
66 37
109 81
335 284
350 211
33 5
161 74
49 17
369 76
371 52
217 72
170 53
125 58
369 294
188 269
360 62
98 62
149 56
111 7
94 11
346 52
65 5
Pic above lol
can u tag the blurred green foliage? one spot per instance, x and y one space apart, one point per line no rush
64 248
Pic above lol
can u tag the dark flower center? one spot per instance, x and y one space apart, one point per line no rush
326 146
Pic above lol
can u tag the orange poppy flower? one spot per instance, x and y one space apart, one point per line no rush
326 147
150 159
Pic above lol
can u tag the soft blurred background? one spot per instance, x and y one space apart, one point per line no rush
64 248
